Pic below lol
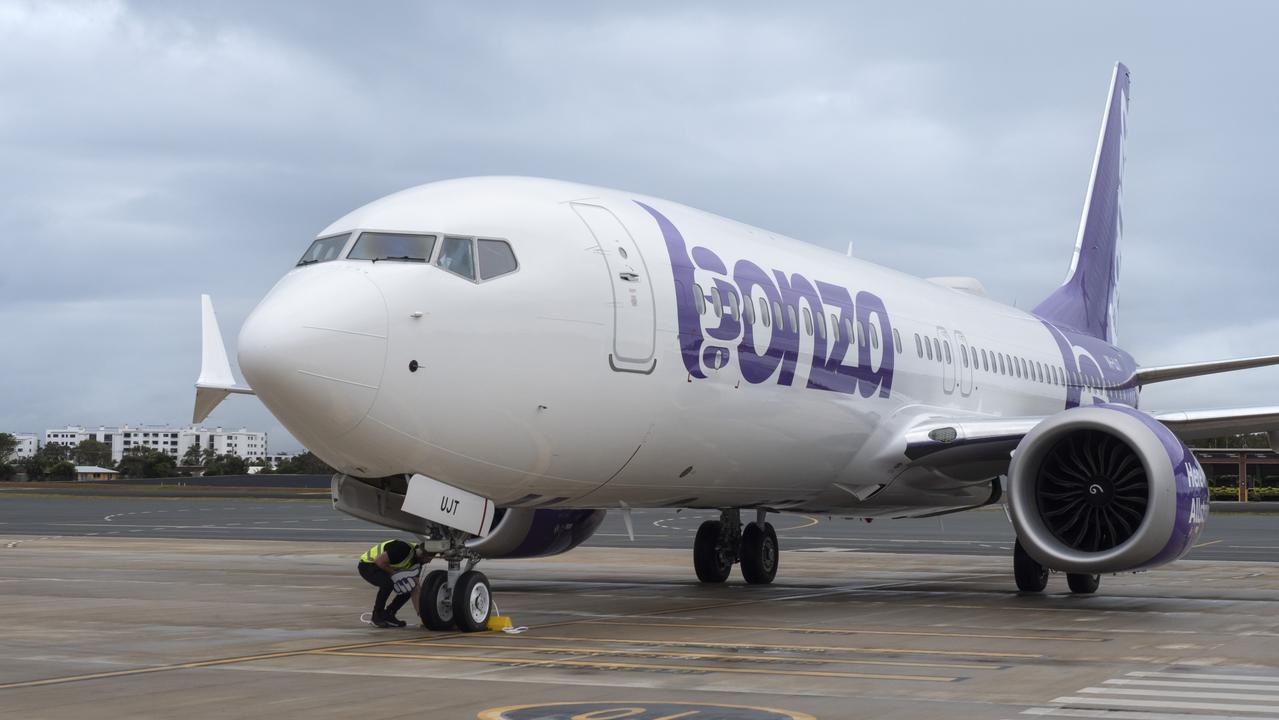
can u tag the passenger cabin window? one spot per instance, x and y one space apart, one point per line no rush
398 247
946 347
928 346
963 354
790 315
763 311
748 311
919 348
820 321
324 249
897 340
937 349
496 258
848 328
1003 369
777 313
717 302
834 328
808 322
874 337
731 300
699 299
456 257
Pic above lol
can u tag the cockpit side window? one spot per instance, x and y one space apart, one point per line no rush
456 257
400 247
496 258
324 249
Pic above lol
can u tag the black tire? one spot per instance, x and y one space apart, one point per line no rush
472 602
711 565
1030 575
434 606
759 554
1083 584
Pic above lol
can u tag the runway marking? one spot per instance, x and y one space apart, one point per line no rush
1129 714
1181 694
1210 542
639 666
838 631
1205 676
1200 685
577 649
773 646
1167 704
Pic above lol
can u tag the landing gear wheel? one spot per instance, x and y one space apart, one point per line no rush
1031 576
759 554
1083 584
435 606
710 559
472 601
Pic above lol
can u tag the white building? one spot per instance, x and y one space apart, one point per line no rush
28 444
174 441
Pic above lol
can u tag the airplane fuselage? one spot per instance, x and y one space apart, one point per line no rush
619 363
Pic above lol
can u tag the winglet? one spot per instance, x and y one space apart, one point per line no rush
216 380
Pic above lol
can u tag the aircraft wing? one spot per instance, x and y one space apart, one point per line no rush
941 440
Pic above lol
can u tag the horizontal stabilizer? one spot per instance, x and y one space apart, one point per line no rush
1145 376
216 380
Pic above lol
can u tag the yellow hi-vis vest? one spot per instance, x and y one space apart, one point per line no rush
407 563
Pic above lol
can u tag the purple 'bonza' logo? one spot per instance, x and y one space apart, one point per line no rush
838 365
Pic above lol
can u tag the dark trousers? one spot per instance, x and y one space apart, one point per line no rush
381 579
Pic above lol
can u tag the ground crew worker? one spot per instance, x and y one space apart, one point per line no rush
378 564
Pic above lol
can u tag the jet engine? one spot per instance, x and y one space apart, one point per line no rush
1104 489
516 532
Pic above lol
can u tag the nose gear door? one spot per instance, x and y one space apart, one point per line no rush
634 322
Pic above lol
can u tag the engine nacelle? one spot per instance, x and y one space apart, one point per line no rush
537 532
1103 489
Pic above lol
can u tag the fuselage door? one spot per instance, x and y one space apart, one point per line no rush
967 362
634 322
948 361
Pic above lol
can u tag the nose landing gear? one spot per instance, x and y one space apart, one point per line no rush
720 544
458 598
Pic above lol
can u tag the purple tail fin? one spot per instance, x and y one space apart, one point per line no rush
1086 301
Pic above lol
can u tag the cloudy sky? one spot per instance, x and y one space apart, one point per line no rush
154 151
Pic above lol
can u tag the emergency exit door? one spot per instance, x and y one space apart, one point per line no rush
634 322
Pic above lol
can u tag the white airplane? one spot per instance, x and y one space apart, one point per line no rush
491 363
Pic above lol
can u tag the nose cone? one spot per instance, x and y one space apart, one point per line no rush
314 350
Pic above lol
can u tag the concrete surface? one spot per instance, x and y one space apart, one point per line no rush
984 532
133 627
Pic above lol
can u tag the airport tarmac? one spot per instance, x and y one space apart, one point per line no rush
1229 536
144 627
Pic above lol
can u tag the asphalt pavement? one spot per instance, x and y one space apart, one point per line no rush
1229 536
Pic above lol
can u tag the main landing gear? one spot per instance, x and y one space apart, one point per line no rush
1033 577
459 597
722 543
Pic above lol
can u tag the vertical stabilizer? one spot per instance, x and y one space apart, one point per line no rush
1086 301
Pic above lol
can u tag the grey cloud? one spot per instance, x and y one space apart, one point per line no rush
153 151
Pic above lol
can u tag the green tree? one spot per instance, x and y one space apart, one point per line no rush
193 456
92 452
226 465
33 466
8 446
61 470
53 452
305 464
145 462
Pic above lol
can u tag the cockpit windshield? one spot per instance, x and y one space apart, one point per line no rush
401 247
324 249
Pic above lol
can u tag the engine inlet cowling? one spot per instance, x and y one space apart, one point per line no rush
1103 489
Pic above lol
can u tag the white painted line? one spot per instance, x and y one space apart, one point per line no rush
1124 702
1200 685
1180 693
1205 676
1134 714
